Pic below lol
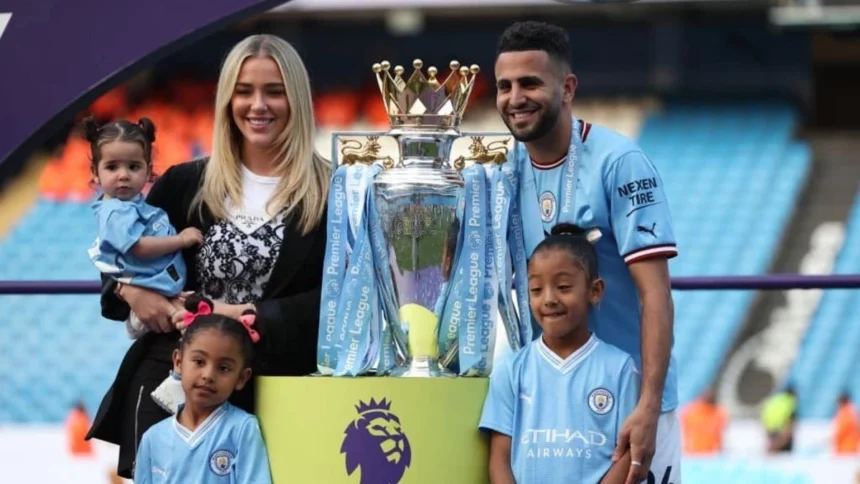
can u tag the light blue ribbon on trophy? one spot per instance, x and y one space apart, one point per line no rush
516 241
464 311
445 289
502 194
337 236
490 303
359 178
354 224
358 303
387 354
360 318
387 360
533 230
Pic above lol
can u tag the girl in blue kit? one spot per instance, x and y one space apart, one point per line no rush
554 409
208 441
136 244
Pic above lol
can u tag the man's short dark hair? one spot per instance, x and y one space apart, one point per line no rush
531 35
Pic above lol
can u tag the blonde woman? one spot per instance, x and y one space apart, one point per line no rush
259 201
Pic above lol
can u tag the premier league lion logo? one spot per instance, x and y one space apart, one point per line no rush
375 442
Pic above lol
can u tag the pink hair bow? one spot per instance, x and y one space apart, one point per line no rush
247 321
203 308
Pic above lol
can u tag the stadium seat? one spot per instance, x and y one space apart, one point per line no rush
719 164
828 363
733 176
56 349
719 471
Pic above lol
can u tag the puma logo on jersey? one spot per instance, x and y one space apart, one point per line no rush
646 230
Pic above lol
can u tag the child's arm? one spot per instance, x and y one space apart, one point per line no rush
617 474
497 419
628 396
500 459
148 247
143 462
252 466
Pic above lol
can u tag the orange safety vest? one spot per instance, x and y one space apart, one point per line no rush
703 426
77 425
846 437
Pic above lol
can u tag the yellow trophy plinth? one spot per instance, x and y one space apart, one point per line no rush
321 430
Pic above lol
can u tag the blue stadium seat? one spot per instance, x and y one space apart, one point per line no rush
733 175
719 471
55 350
828 362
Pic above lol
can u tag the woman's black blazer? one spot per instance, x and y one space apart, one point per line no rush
287 315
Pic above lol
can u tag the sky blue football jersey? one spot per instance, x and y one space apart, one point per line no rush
227 448
619 192
563 415
120 225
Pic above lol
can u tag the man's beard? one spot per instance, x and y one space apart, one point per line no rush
544 125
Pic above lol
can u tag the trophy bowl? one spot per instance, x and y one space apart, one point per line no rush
420 208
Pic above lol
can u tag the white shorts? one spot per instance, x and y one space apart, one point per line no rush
666 465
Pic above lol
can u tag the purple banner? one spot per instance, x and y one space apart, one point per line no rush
769 282
59 55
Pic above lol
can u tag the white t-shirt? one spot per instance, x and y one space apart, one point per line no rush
238 254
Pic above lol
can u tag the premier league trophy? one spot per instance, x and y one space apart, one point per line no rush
417 269
417 272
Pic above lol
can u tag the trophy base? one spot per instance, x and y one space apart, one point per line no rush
315 431
422 367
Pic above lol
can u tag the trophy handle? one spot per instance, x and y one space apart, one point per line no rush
495 152
352 151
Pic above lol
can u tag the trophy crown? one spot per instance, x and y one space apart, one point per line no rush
373 405
424 101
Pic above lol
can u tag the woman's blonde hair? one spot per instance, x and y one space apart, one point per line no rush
304 174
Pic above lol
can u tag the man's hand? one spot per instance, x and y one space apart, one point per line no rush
639 432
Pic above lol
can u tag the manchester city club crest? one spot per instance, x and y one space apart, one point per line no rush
547 207
601 401
221 462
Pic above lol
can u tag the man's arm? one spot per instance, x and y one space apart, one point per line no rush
651 277
641 222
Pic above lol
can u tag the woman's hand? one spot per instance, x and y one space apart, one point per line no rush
154 310
230 310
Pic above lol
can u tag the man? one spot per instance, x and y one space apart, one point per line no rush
572 171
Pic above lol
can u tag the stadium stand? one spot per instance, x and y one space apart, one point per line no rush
733 176
720 471
828 363
719 163
55 349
